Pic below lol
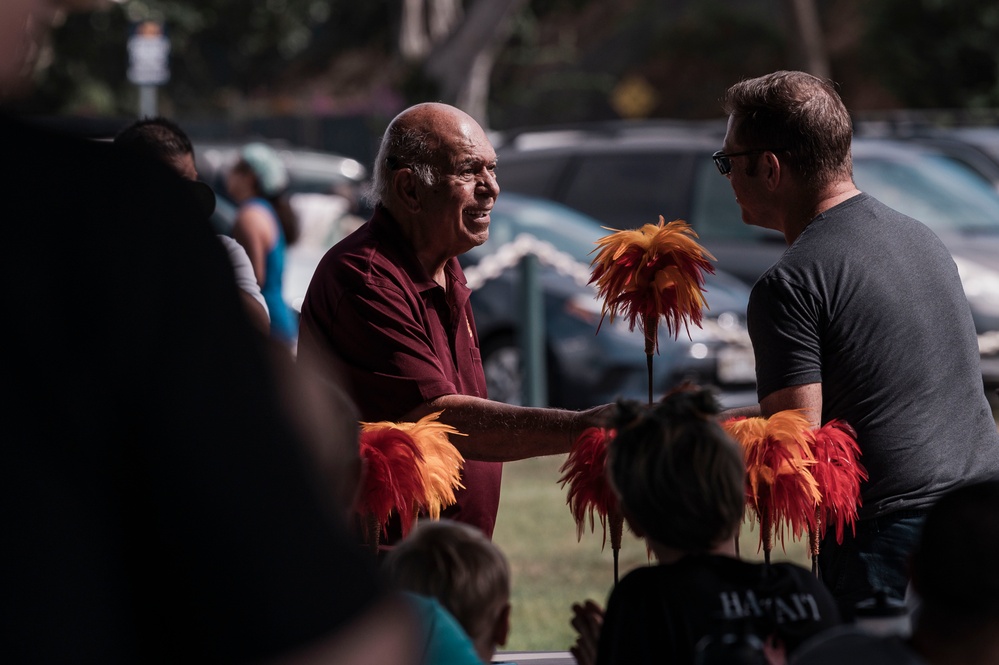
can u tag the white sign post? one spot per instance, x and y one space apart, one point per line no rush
148 63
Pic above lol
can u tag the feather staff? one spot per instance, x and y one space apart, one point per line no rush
781 491
839 473
591 495
652 273
409 467
442 463
392 478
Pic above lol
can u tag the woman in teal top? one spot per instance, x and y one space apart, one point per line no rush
264 226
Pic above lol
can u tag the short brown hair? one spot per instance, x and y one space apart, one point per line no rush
799 114
456 564
677 472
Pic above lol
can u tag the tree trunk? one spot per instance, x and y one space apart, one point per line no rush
806 37
463 64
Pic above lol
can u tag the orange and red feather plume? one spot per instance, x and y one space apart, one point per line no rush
652 272
839 474
590 495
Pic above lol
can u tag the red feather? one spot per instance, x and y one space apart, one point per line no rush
839 474
393 480
590 491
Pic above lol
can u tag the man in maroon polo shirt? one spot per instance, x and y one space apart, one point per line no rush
388 308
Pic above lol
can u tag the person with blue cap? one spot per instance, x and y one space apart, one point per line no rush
264 226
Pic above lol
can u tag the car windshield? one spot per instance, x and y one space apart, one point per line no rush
567 230
933 189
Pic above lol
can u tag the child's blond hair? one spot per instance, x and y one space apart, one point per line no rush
456 564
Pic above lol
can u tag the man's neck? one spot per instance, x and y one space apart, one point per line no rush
811 207
423 246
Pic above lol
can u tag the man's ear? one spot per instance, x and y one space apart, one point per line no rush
771 171
501 631
406 188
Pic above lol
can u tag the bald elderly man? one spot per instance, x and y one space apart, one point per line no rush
388 307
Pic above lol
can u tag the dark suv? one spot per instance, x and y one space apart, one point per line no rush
627 174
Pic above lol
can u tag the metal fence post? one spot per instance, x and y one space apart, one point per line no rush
533 358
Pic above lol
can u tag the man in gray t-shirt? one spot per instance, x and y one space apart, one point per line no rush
863 319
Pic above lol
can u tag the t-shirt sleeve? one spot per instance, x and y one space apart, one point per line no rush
785 327
242 269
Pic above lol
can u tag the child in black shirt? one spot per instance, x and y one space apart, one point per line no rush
681 482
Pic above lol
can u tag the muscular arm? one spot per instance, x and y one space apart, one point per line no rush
498 432
807 397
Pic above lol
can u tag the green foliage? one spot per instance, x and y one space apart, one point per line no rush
216 46
564 63
935 54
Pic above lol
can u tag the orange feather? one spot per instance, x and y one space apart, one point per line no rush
442 463
652 272
780 489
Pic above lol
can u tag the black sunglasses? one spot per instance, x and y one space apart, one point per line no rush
724 163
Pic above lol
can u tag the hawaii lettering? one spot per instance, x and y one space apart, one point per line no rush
796 607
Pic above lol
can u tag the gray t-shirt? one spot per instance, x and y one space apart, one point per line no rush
868 302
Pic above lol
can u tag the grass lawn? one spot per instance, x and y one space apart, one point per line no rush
551 570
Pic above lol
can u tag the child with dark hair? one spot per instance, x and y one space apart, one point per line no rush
681 482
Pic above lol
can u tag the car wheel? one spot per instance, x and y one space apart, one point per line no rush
501 364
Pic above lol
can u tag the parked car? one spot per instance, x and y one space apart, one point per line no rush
975 147
629 174
584 368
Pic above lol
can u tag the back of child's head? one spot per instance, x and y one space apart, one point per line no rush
679 476
456 564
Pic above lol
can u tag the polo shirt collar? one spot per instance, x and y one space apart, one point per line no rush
388 232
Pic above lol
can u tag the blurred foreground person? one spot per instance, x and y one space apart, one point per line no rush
159 505
164 141
955 577
681 482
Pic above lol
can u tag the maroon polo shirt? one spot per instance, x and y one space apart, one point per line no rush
374 317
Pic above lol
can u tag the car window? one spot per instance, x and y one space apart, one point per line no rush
630 189
535 176
566 229
933 189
